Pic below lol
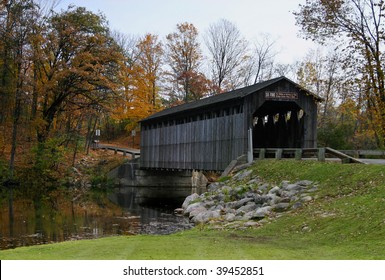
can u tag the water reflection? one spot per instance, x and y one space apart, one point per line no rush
41 222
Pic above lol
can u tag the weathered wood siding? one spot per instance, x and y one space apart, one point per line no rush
305 102
207 144
210 133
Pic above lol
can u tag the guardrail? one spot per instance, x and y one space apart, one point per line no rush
318 153
125 151
364 153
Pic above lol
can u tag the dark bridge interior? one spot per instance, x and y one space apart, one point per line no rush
278 124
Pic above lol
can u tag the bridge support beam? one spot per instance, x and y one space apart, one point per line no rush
321 154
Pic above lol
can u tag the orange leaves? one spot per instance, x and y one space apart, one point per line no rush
138 96
184 58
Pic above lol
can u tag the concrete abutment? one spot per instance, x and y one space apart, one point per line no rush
156 186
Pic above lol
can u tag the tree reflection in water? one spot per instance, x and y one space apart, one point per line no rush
40 222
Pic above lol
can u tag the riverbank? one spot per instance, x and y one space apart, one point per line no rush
345 221
78 206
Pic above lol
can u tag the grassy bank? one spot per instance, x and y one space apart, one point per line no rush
345 221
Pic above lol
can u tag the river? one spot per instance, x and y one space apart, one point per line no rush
56 220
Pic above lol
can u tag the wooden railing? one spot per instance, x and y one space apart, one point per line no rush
364 153
125 151
318 153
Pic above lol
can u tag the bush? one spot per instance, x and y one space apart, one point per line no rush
336 136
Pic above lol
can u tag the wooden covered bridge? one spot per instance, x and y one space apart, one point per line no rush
209 133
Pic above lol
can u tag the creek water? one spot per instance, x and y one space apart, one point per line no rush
49 221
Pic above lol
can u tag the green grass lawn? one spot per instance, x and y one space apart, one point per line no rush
345 221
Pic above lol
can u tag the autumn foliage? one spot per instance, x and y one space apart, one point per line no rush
64 74
355 28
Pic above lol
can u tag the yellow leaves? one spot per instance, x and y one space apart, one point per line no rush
348 108
38 124
138 94
133 103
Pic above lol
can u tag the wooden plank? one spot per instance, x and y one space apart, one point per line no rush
321 154
216 136
359 153
188 146
298 154
262 153
278 153
343 156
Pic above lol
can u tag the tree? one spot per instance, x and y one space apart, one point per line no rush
259 65
200 86
76 65
17 20
184 57
139 76
150 60
121 109
357 25
227 49
322 74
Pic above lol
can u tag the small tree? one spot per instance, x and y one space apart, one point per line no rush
184 57
228 51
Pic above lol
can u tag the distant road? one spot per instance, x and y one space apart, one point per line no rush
373 161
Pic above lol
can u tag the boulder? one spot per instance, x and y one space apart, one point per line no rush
297 205
282 206
251 224
313 189
304 183
230 217
192 207
189 199
245 198
246 216
276 190
263 188
220 197
195 212
217 207
306 198
242 175
247 208
251 194
261 213
253 181
205 216
209 203
242 202
272 199
214 187
288 194
292 187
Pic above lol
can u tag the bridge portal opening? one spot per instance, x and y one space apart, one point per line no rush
278 124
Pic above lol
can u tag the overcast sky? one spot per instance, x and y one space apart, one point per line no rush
252 17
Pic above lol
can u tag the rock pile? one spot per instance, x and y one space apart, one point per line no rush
245 200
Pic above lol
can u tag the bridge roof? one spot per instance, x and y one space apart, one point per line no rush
219 98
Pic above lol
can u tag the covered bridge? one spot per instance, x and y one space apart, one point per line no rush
209 133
